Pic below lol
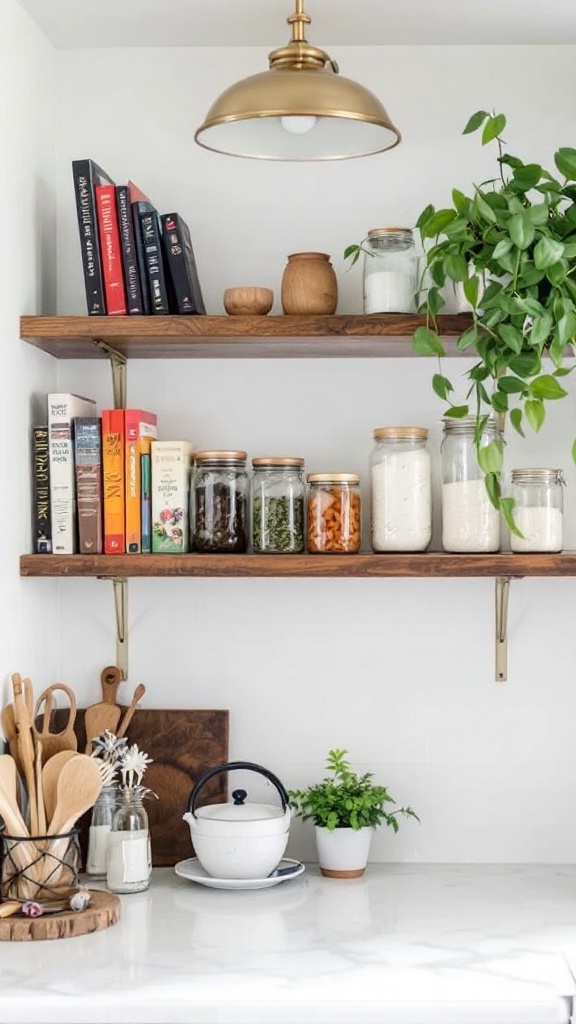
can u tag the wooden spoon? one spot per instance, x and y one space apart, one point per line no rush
9 777
138 694
78 787
50 773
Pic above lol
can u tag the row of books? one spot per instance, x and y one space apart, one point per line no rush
106 484
135 260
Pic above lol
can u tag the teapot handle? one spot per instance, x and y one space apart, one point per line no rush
233 766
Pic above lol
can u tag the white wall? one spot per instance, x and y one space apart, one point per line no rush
28 638
399 672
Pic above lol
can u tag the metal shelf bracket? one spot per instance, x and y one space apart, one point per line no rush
118 367
121 611
501 596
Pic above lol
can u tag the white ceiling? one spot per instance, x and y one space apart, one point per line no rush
105 23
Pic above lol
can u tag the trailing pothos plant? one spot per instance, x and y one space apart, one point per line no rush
511 245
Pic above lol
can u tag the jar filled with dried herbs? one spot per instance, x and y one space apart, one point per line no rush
278 495
219 502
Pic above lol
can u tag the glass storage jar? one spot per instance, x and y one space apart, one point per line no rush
538 509
100 828
401 502
469 520
278 493
129 854
219 502
333 513
390 271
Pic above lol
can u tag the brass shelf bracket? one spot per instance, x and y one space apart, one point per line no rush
121 611
118 367
501 596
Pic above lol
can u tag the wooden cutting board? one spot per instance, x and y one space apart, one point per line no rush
104 910
184 744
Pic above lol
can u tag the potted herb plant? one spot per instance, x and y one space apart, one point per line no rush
511 246
346 808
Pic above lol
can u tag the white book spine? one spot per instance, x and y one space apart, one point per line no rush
62 410
171 464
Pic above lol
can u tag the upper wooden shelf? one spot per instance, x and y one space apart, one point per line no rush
426 564
234 337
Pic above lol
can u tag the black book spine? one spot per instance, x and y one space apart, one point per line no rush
129 261
182 266
41 521
138 207
86 174
154 263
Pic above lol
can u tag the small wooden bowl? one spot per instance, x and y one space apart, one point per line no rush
248 301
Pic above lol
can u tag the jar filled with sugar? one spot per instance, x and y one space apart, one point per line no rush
390 271
538 509
470 522
401 504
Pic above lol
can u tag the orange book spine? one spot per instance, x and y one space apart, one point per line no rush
113 480
139 432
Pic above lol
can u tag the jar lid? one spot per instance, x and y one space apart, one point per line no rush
333 478
375 232
220 456
467 425
538 476
278 460
419 433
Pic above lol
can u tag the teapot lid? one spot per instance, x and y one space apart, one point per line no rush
239 811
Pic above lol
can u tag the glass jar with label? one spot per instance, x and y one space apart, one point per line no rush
129 854
390 271
219 496
538 509
401 502
334 513
470 523
278 494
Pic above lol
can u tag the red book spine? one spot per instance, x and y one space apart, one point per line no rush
111 250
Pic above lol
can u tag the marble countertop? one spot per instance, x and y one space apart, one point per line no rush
406 944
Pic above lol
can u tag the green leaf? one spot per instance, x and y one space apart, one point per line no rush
547 387
490 457
547 252
442 386
457 412
535 413
516 421
456 267
511 385
475 122
539 214
565 160
492 484
527 176
471 289
526 365
512 337
483 209
470 337
427 343
438 274
502 248
461 202
557 272
540 330
424 217
434 301
436 223
493 128
521 230
499 402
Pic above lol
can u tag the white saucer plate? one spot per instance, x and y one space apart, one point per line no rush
193 871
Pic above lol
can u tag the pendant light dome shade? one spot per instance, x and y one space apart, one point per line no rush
300 109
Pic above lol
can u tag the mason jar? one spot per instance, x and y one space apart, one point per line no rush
278 496
333 513
470 523
401 502
129 853
390 271
99 834
538 509
219 496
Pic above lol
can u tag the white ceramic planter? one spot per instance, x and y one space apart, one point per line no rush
343 852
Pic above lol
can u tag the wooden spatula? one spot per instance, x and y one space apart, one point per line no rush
105 714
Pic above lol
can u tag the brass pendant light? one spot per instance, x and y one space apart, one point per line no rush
300 109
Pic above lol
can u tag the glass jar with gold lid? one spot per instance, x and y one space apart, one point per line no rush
278 496
401 503
219 496
333 513
390 271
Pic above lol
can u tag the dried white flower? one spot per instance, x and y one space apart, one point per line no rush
133 764
108 747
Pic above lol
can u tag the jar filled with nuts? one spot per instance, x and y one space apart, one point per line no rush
219 502
278 492
333 520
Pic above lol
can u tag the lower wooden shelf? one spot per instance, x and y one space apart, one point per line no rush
425 564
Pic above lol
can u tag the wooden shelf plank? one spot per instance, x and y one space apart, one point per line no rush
239 337
426 564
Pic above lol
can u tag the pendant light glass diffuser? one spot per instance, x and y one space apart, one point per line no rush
300 109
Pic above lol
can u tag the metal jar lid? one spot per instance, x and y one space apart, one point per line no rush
537 476
333 478
401 433
220 456
273 461
467 425
378 232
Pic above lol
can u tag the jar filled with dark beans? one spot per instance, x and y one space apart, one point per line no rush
219 502
278 496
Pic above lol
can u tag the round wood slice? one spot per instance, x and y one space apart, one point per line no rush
103 911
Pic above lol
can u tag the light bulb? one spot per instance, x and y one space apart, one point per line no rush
298 124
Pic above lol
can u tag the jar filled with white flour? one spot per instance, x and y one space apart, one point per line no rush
470 523
401 504
390 271
538 509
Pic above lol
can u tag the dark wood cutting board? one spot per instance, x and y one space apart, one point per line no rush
184 744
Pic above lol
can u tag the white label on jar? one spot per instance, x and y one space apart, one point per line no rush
128 860
389 291
401 502
541 526
469 520
97 862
